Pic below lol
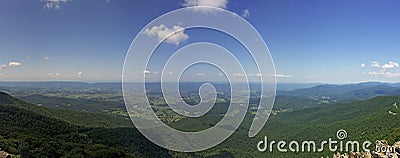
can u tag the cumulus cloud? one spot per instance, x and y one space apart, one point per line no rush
11 64
2 66
390 65
246 13
80 73
54 74
209 3
375 73
383 74
46 58
385 70
14 64
392 75
375 64
146 71
177 34
54 4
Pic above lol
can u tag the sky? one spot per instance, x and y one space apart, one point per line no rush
310 41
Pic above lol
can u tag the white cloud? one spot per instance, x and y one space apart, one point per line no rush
14 63
146 71
3 66
383 70
80 73
362 65
200 74
383 74
390 65
246 13
46 58
392 75
375 64
283 76
209 3
374 73
54 4
177 33
238 74
54 74
11 64
248 75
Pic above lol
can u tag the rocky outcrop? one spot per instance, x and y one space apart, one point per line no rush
394 153
4 154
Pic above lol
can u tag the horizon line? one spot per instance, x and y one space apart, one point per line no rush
251 82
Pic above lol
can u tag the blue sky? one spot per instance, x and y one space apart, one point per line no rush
310 41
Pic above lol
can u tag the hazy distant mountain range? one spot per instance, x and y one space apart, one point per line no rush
347 92
339 93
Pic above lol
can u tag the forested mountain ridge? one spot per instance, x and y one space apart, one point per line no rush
28 134
346 92
86 119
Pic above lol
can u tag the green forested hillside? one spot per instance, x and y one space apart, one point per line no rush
363 120
29 134
86 119
29 130
76 104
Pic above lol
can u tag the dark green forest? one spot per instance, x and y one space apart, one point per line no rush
33 130
28 134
